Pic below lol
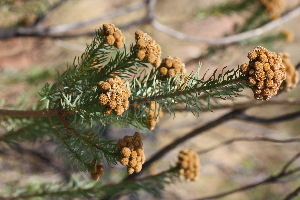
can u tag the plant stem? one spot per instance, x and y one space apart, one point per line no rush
28 113
184 92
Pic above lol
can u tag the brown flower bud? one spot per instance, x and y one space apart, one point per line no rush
125 151
130 170
124 161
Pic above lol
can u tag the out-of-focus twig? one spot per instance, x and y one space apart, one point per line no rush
293 194
249 139
39 30
229 39
284 172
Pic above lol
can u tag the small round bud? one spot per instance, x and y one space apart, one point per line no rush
130 170
125 151
138 167
124 161
110 40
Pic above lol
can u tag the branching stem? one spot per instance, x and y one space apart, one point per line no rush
185 92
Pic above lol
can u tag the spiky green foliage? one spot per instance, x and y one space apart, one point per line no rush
80 186
80 119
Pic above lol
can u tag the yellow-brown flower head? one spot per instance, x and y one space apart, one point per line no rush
292 75
115 95
273 8
147 49
96 170
131 150
154 114
113 35
188 165
171 66
265 72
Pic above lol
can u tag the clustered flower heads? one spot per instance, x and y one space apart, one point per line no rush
171 66
292 75
188 165
113 35
273 8
147 48
96 170
154 114
265 72
115 95
132 152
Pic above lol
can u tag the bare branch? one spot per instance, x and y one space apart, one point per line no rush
248 139
294 194
247 104
285 117
269 180
116 13
229 39
40 31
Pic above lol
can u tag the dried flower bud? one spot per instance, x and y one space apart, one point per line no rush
147 48
112 35
124 161
132 162
95 176
138 167
188 164
103 99
273 8
130 170
116 96
104 86
291 73
265 72
128 138
125 152
132 155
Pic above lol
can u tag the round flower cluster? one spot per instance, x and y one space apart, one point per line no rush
113 35
265 72
171 66
96 170
147 48
155 113
292 75
273 8
188 165
115 95
132 152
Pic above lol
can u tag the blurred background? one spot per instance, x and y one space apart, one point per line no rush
40 38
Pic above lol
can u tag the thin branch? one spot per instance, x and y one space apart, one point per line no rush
293 194
244 105
29 113
243 116
271 179
248 139
229 39
40 31
116 13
